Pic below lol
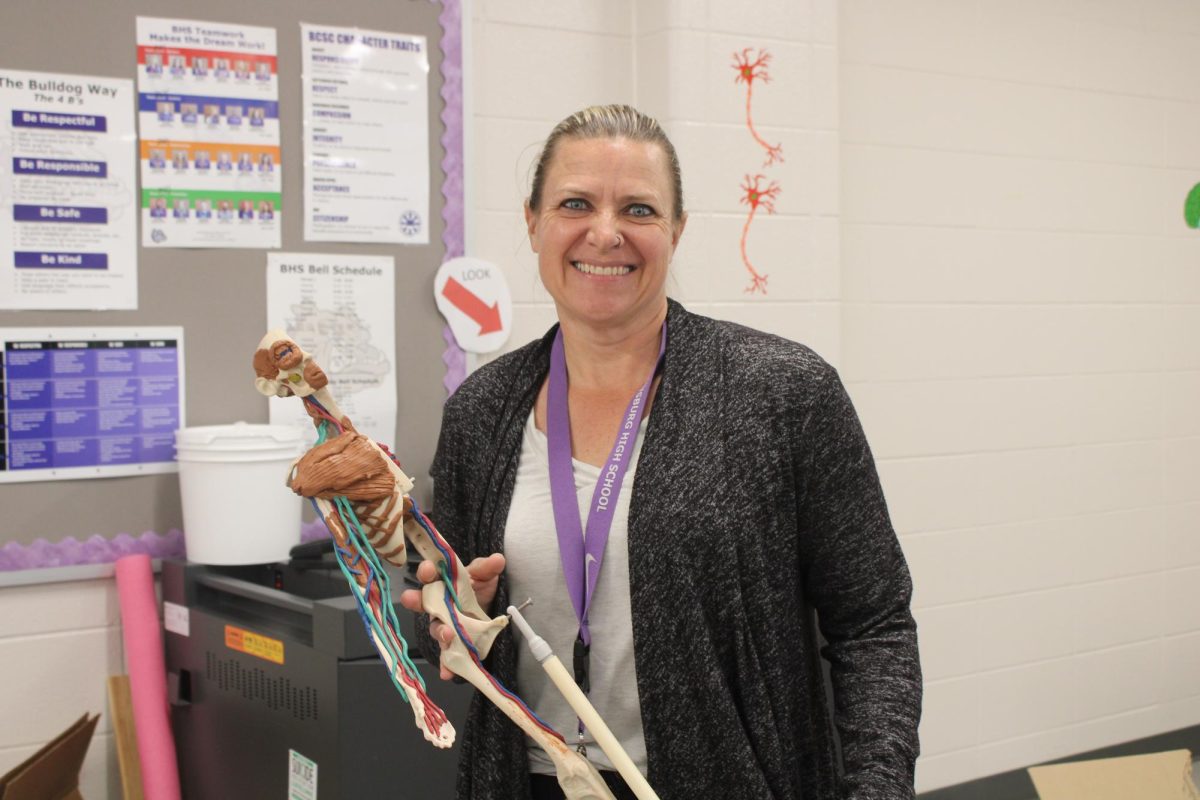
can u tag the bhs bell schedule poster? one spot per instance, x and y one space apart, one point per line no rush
89 402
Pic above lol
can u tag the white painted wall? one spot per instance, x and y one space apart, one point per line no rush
673 59
59 642
686 78
981 224
1020 329
534 63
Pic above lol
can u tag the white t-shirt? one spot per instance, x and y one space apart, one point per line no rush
535 571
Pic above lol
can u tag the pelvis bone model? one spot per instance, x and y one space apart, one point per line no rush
362 494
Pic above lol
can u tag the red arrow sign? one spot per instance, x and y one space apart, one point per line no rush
467 302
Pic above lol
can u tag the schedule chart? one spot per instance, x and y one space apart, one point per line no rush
100 403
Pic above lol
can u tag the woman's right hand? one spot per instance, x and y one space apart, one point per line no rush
485 577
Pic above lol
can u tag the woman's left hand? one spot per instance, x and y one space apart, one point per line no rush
485 577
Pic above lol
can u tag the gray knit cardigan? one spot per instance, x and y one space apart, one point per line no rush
756 512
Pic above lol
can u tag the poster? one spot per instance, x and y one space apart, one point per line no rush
208 109
68 233
366 136
89 402
341 309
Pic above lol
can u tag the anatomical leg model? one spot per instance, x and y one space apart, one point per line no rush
362 494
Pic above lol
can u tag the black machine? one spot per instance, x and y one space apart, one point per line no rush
272 679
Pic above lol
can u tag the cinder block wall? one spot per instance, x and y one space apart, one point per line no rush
1022 337
535 63
59 642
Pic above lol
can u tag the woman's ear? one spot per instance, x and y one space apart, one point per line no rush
678 233
531 226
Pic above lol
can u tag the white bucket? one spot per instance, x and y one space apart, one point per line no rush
237 508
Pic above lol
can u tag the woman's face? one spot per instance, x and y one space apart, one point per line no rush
605 232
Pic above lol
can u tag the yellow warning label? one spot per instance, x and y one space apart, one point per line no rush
253 644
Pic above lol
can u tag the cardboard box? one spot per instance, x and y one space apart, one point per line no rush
1157 776
52 773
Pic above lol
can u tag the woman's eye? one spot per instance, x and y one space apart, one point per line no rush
641 210
575 204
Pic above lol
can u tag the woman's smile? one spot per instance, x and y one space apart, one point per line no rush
602 271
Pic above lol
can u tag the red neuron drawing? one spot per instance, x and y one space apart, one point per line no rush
748 72
755 195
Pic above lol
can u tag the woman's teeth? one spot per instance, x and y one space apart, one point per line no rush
592 269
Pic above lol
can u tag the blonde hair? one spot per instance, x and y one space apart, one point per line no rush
608 122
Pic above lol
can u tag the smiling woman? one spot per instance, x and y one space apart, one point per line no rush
605 229
729 501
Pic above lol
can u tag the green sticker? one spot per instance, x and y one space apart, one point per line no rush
1191 207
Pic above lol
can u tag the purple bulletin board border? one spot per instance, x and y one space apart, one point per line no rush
96 549
453 213
100 550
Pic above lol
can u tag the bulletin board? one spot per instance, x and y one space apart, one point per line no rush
218 296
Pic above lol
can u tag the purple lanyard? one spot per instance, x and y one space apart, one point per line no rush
582 556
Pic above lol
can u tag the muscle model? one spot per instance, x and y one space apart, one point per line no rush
361 493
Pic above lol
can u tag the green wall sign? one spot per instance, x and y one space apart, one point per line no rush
1191 207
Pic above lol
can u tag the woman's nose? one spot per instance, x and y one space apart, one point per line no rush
605 233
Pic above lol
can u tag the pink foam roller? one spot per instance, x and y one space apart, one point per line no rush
147 677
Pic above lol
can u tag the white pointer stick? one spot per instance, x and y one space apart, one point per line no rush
584 709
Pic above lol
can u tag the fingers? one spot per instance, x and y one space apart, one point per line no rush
427 572
483 572
444 636
411 599
485 569
443 633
